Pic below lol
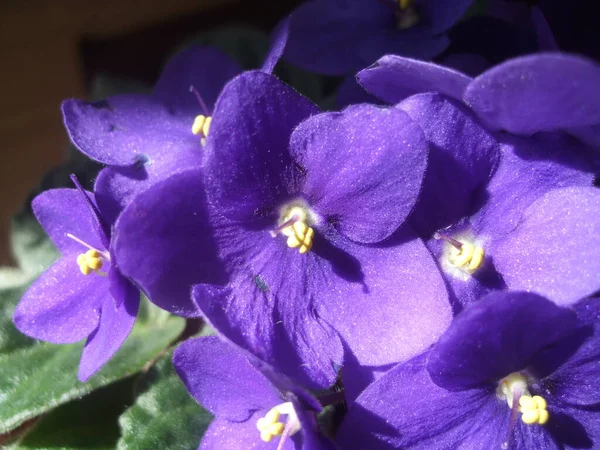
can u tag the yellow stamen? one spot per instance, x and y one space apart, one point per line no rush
269 426
468 257
89 262
201 126
405 4
533 409
300 235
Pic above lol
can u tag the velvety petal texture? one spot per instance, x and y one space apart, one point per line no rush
223 434
497 336
555 249
253 119
393 78
278 42
115 325
63 305
462 158
541 92
164 242
222 379
370 187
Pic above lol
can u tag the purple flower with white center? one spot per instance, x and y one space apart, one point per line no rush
145 138
337 37
305 209
82 295
514 371
252 410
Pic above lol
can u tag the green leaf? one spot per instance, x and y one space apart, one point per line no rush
30 245
165 415
36 379
11 339
88 423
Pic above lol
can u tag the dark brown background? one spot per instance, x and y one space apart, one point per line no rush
50 50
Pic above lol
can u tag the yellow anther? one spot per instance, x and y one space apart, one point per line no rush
269 426
300 236
89 262
198 125
201 126
467 257
533 409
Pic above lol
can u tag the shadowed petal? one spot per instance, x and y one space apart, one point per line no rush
222 380
462 158
204 68
247 165
62 305
554 251
496 336
164 242
370 187
394 78
279 39
541 92
115 325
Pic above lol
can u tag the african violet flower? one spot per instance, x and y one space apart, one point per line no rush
337 37
169 129
251 409
145 138
512 371
82 295
305 207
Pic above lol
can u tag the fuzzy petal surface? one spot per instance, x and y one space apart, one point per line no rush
223 434
279 40
496 336
221 379
62 306
462 158
365 178
528 168
119 130
542 92
116 322
206 69
247 163
164 242
62 211
394 78
555 249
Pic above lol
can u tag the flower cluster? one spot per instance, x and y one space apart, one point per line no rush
421 273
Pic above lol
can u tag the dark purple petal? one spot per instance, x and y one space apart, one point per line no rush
546 41
575 428
204 68
222 434
394 78
309 437
405 409
221 379
439 15
462 158
541 92
364 168
553 251
279 39
62 305
248 166
496 336
530 167
399 286
62 211
114 327
121 129
325 34
575 382
164 242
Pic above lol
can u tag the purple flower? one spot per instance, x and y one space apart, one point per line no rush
83 294
337 37
251 409
145 138
305 209
512 371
